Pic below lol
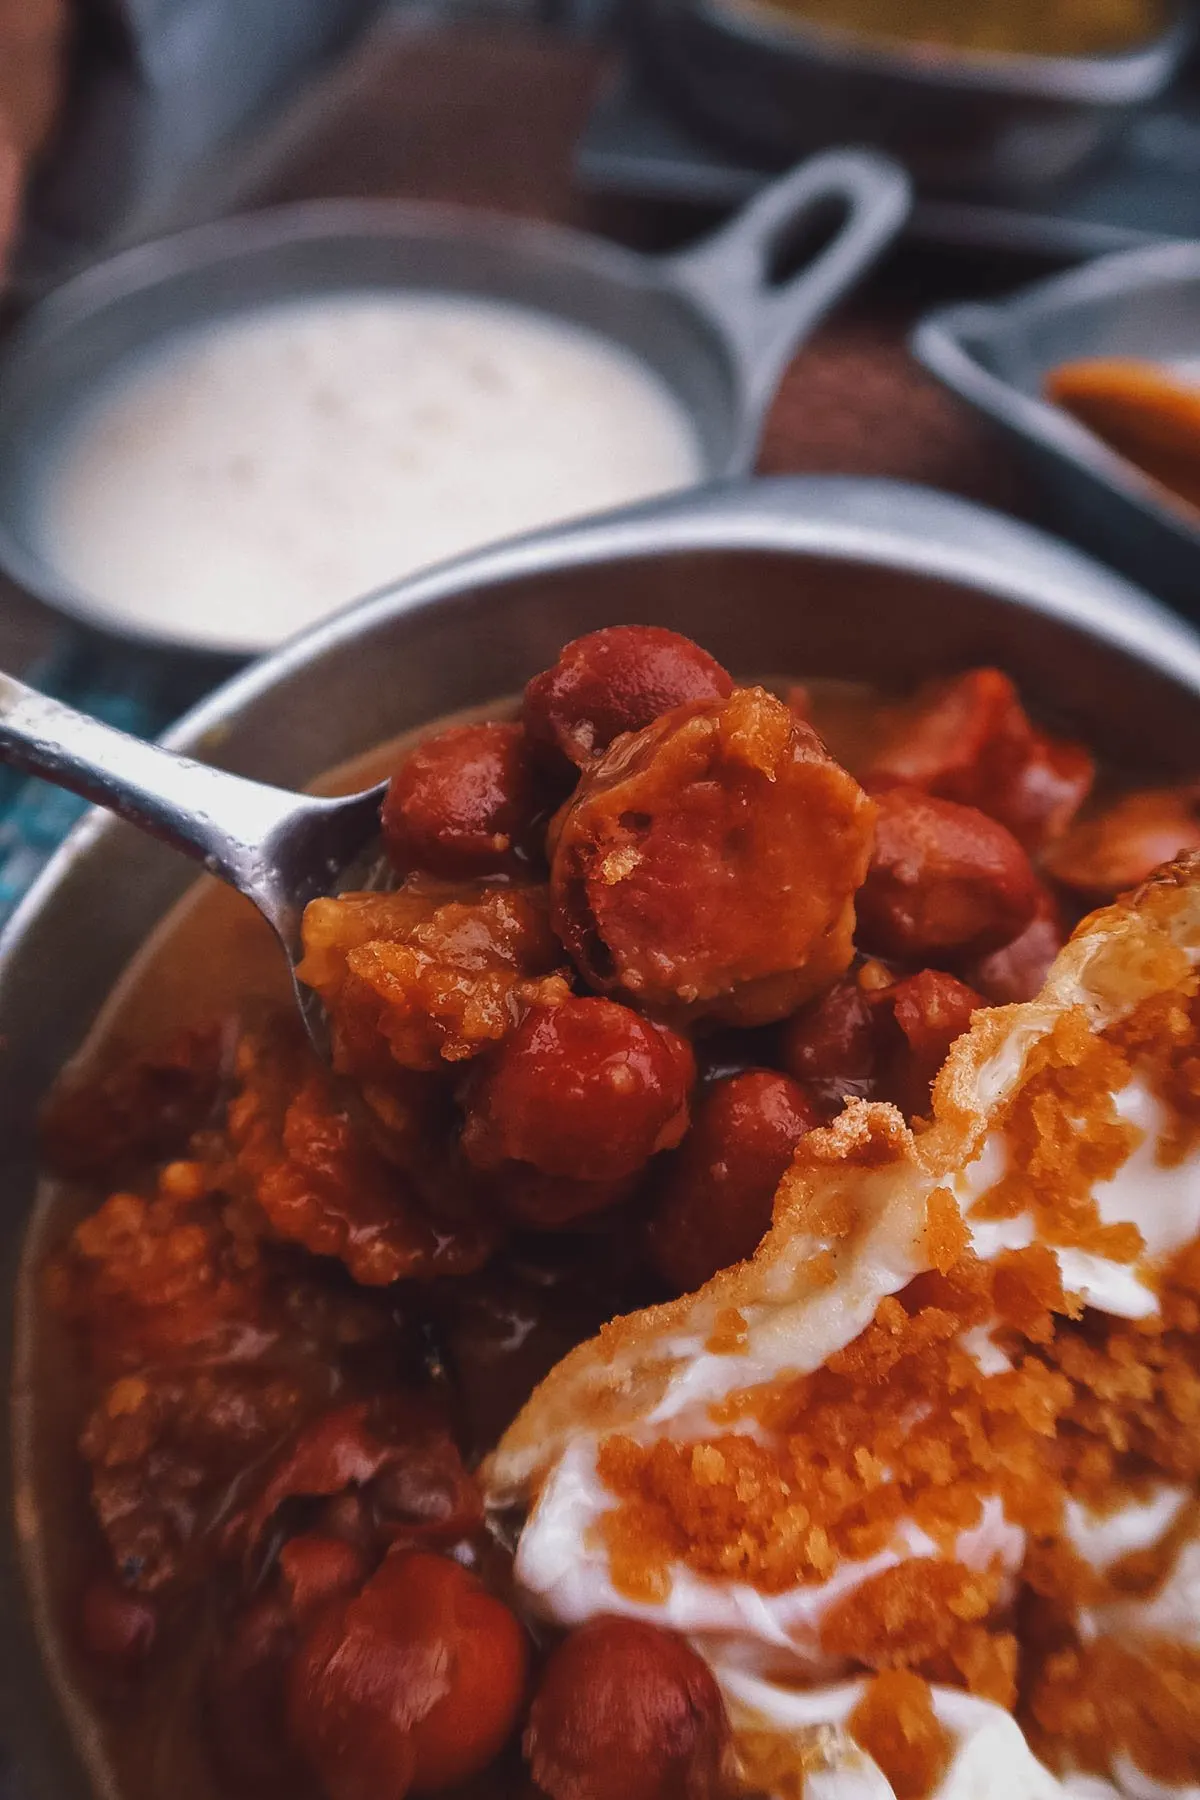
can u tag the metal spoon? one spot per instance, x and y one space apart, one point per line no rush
280 850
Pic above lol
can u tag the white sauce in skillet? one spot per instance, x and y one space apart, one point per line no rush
247 478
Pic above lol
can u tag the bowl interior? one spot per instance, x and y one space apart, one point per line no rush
759 608
780 39
99 326
784 29
1111 314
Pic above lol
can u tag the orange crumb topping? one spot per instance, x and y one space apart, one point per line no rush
806 1473
895 1724
781 1764
729 1333
1135 1410
900 1426
946 1234
820 1270
1086 1700
1064 1134
925 1613
1161 1038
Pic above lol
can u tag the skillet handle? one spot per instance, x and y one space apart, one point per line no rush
728 275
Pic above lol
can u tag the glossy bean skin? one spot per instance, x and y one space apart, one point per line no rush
930 1011
716 1199
394 1453
588 1091
831 1045
625 1711
707 865
1017 971
247 1676
414 1684
945 882
970 740
875 1037
1120 846
613 681
464 804
535 1201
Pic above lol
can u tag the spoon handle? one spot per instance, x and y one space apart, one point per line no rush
221 820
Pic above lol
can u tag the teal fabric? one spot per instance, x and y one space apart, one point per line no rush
136 693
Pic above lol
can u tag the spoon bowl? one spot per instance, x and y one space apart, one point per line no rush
279 849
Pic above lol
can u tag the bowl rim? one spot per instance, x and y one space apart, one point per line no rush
948 341
1115 78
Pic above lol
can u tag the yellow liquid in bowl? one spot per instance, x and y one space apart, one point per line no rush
990 27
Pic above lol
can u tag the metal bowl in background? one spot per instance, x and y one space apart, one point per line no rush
820 575
992 126
712 321
1139 303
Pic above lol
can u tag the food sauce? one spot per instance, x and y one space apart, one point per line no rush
247 478
475 1345
1147 412
989 27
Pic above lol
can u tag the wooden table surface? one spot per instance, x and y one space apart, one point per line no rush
489 117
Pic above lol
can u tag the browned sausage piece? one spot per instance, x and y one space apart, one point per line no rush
945 881
708 864
617 680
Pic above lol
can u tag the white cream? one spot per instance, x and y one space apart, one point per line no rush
1173 1612
797 1338
1102 1539
247 478
813 1721
981 1346
565 1574
1164 1204
1134 1785
990 1759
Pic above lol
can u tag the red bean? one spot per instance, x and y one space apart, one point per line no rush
413 1684
315 1569
1017 970
716 1200
971 740
117 1627
617 680
931 1010
542 1202
464 804
1125 843
396 1451
246 1680
625 1711
831 1044
245 1689
588 1090
945 881
873 1037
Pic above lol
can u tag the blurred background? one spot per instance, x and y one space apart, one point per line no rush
1038 136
